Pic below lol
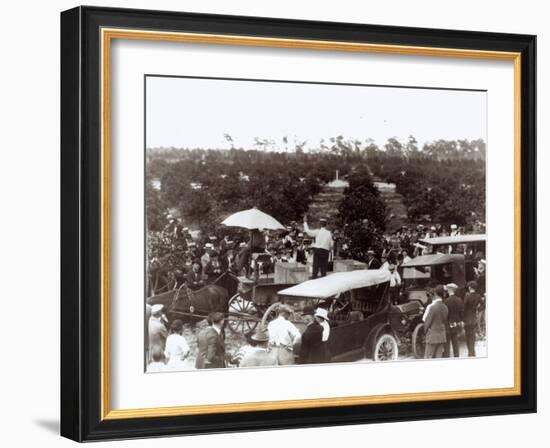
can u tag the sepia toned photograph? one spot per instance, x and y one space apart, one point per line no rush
303 223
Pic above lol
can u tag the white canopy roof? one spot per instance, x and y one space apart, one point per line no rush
458 239
337 283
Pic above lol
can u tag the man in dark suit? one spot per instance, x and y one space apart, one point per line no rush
472 301
435 325
372 261
456 308
312 349
194 277
211 345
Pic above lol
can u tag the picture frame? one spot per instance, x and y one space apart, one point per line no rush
86 238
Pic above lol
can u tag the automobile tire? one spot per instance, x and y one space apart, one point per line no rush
386 348
418 341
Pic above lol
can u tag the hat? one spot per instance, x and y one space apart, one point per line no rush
212 237
157 308
300 235
209 246
453 226
322 313
308 311
452 286
370 252
260 335
185 229
323 220
243 244
432 228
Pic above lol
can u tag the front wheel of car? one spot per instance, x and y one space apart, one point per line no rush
386 348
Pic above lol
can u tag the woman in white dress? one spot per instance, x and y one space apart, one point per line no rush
177 349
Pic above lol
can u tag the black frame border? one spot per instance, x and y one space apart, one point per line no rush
81 223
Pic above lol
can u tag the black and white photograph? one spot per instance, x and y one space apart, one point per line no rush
295 223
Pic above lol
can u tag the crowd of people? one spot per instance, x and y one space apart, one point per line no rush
450 309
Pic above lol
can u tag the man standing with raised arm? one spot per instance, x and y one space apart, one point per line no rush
321 247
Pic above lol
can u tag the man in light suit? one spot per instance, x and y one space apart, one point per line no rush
435 325
211 345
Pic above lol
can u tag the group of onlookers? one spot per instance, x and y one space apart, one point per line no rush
281 343
447 316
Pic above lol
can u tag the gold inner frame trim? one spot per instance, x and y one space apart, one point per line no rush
107 35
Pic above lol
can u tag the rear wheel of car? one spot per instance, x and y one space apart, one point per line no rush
419 341
386 348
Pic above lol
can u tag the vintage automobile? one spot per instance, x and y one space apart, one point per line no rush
425 270
364 322
472 247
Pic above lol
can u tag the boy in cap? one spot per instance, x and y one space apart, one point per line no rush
258 355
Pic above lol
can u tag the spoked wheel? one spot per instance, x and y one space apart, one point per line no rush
242 316
419 341
386 348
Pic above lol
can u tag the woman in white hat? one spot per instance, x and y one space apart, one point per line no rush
321 316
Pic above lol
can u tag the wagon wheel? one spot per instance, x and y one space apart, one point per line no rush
481 329
271 313
386 348
419 341
242 316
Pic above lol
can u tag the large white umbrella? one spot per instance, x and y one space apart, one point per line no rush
252 219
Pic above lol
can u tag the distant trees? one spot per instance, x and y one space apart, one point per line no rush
443 182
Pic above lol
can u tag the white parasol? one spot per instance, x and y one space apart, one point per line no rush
252 219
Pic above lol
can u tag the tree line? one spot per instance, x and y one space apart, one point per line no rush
444 181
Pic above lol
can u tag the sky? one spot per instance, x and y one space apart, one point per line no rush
196 113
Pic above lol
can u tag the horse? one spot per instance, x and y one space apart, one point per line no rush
186 304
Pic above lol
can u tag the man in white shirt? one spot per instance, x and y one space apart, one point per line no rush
283 337
322 246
